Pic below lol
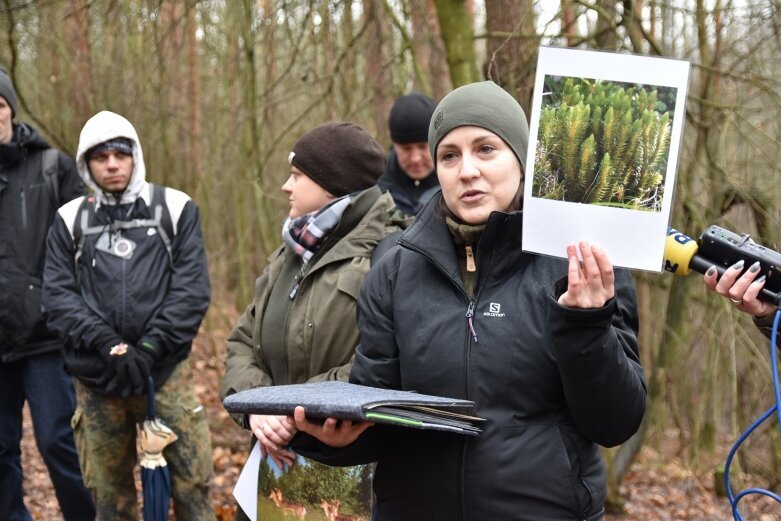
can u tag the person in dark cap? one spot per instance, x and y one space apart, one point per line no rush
410 174
301 324
35 180
546 348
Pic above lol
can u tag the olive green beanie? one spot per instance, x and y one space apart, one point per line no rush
486 105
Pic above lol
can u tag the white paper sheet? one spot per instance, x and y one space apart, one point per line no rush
246 489
632 237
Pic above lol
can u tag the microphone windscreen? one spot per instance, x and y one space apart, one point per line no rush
679 249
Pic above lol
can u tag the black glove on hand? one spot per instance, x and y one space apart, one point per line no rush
128 369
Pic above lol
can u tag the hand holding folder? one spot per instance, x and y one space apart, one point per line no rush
358 403
332 432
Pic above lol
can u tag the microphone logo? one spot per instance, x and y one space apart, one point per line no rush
678 250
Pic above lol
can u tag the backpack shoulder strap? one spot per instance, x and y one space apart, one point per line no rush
49 169
77 215
175 201
162 218
69 213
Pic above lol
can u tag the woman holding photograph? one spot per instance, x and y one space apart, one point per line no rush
545 347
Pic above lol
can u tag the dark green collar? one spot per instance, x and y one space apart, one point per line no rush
464 234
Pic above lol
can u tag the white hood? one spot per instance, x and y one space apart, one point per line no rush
101 127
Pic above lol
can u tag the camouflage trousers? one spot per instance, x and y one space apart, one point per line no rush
104 428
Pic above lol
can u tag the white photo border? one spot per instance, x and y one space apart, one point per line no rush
632 238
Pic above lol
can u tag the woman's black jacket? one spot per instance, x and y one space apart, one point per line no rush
551 382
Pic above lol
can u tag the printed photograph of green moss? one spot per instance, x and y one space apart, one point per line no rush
603 142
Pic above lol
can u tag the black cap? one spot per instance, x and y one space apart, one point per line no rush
409 118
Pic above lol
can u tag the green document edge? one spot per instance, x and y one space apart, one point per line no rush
394 419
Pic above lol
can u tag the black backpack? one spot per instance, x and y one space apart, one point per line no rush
161 221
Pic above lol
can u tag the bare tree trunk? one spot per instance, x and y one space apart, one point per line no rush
653 10
78 41
52 75
511 57
606 37
242 207
169 88
377 57
264 218
569 22
429 49
195 133
348 73
631 21
668 28
455 22
329 58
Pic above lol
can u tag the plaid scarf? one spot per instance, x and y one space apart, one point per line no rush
305 234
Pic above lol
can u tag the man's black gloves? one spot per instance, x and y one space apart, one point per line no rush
128 369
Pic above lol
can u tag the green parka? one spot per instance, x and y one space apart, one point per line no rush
320 332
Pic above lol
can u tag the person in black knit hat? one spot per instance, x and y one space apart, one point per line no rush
410 175
301 325
35 179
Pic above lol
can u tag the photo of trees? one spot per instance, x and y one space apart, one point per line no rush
603 142
313 491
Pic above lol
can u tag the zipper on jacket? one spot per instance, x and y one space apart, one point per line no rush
123 307
471 335
24 208
470 313
297 278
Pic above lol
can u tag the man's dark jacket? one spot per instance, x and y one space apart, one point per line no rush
408 195
27 207
551 382
146 298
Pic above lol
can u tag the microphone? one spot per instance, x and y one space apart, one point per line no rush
722 248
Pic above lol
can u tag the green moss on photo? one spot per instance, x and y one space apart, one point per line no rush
602 142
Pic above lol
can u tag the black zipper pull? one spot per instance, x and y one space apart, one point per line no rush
470 313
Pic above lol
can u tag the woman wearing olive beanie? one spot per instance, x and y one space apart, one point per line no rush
545 347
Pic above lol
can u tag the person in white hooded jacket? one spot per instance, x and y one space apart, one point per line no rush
126 286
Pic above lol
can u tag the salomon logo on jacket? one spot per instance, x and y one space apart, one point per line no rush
494 310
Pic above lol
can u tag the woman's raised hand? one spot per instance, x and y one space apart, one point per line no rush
590 284
332 432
